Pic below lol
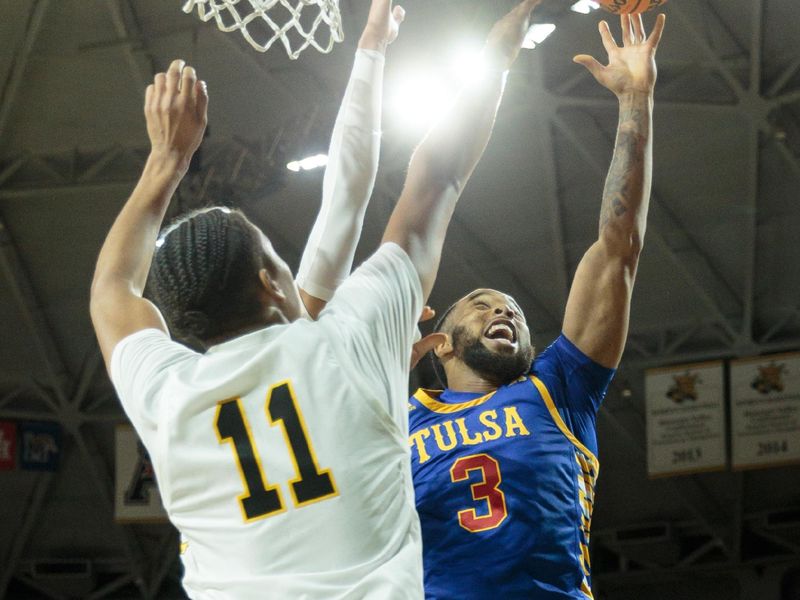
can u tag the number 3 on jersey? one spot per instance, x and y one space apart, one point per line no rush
486 489
260 499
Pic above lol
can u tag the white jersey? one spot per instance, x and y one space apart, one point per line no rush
282 456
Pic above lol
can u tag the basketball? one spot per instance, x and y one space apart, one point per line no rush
620 7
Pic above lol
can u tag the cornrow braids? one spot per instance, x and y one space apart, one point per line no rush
204 275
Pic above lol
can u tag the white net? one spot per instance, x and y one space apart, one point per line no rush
264 22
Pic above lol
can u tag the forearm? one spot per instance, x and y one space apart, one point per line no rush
453 147
348 182
126 254
627 189
437 174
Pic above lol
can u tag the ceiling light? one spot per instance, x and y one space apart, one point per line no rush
584 6
310 162
419 100
537 34
468 65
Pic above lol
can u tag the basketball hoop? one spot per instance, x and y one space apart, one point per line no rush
264 22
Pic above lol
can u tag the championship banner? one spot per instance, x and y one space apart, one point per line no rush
136 496
685 419
765 411
8 445
40 446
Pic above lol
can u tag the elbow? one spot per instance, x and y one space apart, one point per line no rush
97 291
623 242
440 172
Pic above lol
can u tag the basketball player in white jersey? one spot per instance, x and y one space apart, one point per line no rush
281 451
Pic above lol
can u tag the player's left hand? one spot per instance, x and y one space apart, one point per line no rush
176 111
429 342
632 67
425 345
383 25
505 39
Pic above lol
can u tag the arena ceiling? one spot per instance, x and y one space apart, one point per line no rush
719 276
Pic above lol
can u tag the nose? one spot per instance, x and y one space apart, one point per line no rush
504 310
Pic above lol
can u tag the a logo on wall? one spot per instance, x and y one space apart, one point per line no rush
769 379
684 388
142 480
40 446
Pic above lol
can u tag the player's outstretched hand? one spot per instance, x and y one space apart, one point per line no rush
176 110
383 25
425 345
429 342
505 39
631 67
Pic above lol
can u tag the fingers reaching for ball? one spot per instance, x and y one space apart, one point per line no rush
631 67
176 106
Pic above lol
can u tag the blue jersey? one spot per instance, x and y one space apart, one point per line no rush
505 481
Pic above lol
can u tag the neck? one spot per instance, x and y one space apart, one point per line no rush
271 316
460 378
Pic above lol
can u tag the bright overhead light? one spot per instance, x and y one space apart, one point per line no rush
419 100
308 163
584 6
537 34
468 65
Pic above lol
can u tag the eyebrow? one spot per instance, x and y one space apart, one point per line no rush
476 295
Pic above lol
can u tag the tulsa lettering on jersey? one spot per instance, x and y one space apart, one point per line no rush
457 432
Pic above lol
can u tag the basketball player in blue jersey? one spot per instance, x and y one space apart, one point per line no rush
296 509
504 459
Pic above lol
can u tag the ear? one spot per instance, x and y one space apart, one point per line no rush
270 287
444 348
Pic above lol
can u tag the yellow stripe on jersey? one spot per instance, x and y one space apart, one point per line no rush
428 401
551 407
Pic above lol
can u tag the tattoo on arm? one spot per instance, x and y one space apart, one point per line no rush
624 188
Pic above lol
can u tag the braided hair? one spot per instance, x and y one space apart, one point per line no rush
204 275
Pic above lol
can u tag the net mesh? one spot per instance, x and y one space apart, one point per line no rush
264 22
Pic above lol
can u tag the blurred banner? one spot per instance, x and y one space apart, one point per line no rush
40 446
765 410
8 445
136 496
685 419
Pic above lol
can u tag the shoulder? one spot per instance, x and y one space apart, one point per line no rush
563 357
152 347
385 289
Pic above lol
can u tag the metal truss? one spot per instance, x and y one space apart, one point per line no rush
62 406
660 553
705 544
714 542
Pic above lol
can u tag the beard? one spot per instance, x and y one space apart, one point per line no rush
496 368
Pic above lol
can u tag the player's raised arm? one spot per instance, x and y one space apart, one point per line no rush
176 113
352 164
598 307
444 161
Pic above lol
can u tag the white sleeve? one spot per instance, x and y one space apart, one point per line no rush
349 179
139 365
372 321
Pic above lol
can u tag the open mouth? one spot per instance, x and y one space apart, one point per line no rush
501 329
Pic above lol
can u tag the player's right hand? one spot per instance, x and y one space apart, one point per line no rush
631 67
383 25
505 39
176 111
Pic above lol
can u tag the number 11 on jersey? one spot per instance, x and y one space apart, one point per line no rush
259 498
